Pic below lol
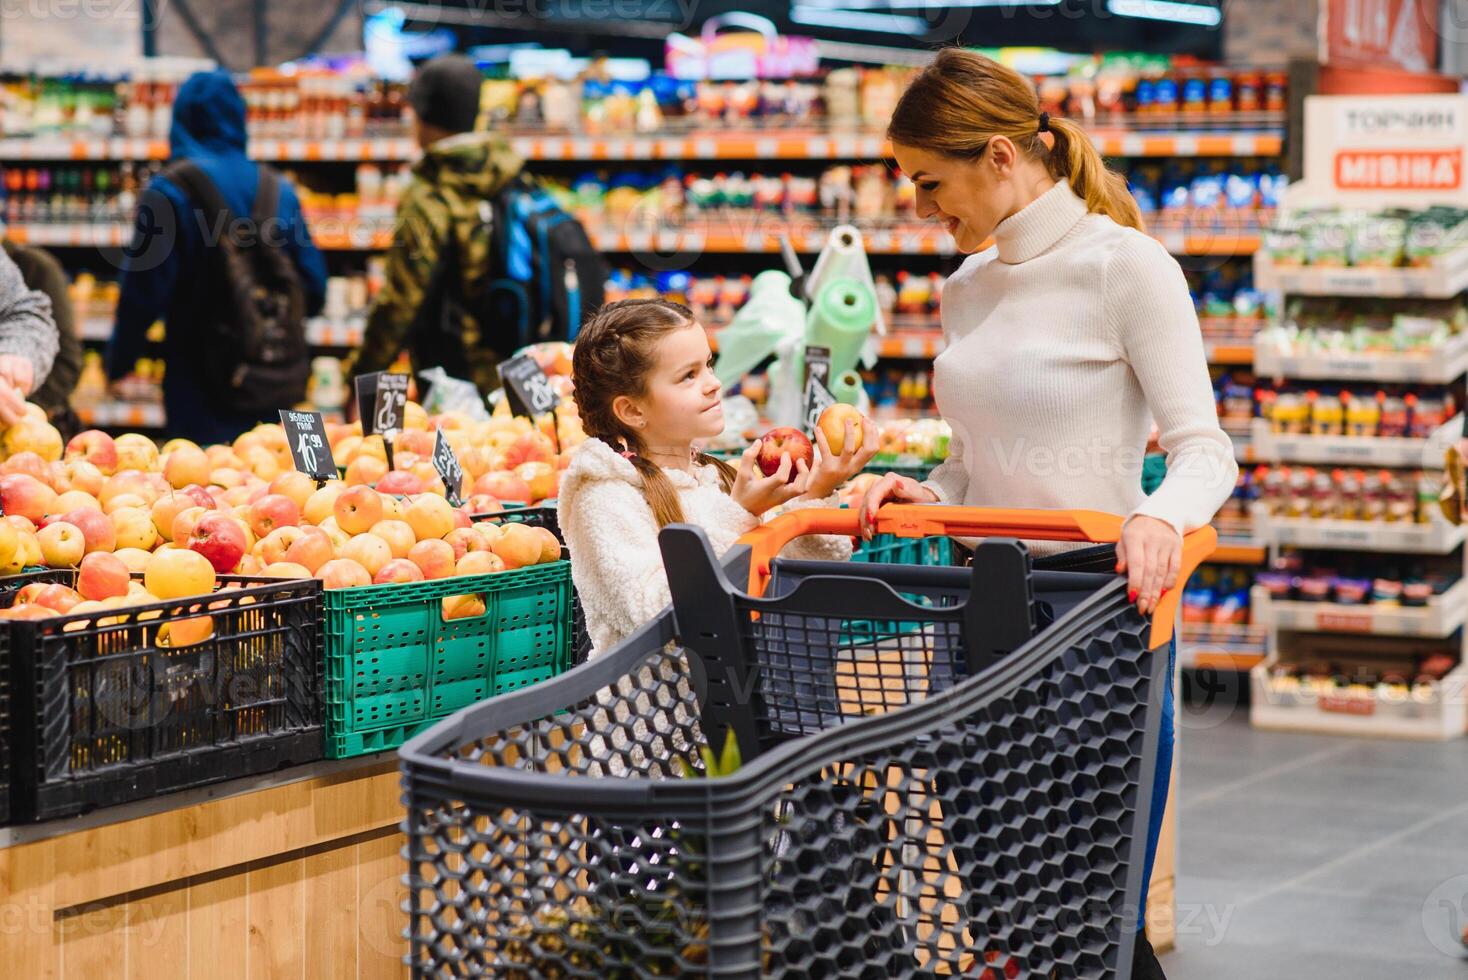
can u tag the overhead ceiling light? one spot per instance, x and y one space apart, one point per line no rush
1167 10
857 20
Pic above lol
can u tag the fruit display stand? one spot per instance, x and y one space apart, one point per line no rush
294 874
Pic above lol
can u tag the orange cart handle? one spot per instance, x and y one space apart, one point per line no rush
928 520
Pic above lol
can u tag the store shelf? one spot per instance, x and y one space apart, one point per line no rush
1228 354
1437 366
761 233
758 234
122 415
1222 646
70 234
322 332
771 143
1439 618
1434 713
1238 554
1444 278
95 328
1355 450
1435 538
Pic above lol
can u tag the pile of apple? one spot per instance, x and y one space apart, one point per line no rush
181 515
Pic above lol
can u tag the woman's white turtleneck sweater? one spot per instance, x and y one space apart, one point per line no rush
1063 342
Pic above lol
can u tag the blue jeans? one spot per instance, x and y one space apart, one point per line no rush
1160 780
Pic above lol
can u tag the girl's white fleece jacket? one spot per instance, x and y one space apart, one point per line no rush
613 536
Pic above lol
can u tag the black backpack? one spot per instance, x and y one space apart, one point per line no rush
252 351
546 278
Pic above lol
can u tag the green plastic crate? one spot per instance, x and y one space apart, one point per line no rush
394 666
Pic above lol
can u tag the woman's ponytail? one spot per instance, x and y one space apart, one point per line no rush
962 99
1076 159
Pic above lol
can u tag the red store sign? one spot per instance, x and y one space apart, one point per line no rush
1399 169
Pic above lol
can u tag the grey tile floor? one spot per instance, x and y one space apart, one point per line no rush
1307 857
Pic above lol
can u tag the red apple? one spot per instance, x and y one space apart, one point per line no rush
483 503
271 511
465 540
778 442
312 549
200 496
96 447
220 539
102 575
30 464
400 481
398 570
26 496
343 573
96 527
503 486
530 448
59 598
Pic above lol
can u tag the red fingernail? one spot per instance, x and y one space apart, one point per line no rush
1162 593
1131 595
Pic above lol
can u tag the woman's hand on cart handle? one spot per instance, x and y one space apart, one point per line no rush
1150 554
892 487
757 493
833 469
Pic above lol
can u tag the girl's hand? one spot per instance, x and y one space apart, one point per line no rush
903 489
1150 553
832 470
757 493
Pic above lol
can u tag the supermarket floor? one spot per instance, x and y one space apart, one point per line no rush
1307 857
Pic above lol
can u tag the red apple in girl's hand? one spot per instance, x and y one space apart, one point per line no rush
776 443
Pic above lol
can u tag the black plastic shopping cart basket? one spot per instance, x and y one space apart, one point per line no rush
832 770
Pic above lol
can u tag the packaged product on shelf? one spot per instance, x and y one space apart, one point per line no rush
1399 412
1217 597
1356 579
1401 496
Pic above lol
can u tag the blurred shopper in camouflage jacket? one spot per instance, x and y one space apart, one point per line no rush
439 255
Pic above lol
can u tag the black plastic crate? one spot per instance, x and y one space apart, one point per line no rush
9 585
102 714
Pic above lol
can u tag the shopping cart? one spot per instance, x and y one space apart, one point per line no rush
835 771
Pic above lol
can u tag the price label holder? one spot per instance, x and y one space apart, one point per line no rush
529 390
382 400
818 396
449 470
527 387
310 449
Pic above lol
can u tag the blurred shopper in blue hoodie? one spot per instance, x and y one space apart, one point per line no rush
167 273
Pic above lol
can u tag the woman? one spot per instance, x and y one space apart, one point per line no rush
1062 341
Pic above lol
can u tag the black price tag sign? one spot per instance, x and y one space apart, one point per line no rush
818 364
448 468
527 387
306 432
818 396
366 385
389 406
382 400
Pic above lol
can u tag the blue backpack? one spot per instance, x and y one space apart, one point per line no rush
546 276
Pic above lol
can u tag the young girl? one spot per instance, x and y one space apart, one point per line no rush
646 390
